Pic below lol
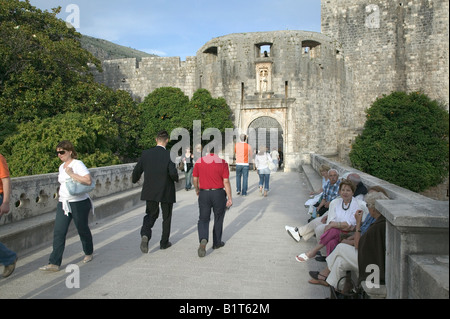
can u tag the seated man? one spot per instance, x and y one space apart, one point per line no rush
330 192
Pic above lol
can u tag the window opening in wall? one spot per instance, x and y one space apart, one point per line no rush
311 48
211 54
242 91
263 50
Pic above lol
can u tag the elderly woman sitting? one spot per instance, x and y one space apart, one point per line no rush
367 248
343 221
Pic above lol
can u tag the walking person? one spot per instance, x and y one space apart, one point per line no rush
275 157
160 175
76 207
243 153
8 257
262 164
211 181
188 167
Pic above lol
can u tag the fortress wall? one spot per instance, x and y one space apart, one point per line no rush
143 77
391 45
317 85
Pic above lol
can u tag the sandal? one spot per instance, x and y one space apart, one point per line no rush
50 267
303 257
316 275
88 258
318 282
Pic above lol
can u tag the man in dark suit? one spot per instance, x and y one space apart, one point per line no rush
160 173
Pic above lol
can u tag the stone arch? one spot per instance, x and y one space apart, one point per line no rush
266 130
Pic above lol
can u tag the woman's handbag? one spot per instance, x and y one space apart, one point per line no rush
271 164
346 289
75 188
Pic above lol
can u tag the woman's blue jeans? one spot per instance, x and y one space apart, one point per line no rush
7 256
264 177
80 215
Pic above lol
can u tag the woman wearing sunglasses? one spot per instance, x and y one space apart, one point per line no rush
76 207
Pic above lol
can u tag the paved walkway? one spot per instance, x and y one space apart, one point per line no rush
257 261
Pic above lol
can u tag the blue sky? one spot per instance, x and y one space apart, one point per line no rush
181 27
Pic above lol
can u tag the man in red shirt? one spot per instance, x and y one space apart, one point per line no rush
210 177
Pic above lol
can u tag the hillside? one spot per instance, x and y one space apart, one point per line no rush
105 50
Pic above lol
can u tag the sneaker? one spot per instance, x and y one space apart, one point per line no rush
9 269
293 232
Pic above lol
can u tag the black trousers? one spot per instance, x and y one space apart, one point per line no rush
152 214
322 210
217 201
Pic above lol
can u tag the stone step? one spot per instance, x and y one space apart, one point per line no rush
431 276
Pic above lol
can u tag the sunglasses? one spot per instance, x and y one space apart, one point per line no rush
60 152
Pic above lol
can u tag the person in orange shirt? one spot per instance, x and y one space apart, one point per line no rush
8 258
244 154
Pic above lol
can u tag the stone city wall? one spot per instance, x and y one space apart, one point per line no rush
391 46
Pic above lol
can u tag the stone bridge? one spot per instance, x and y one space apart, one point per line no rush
417 229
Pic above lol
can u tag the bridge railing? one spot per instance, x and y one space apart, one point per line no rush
37 195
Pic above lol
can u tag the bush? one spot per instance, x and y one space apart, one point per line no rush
405 141
32 149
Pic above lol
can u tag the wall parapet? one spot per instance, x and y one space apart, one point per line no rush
416 226
37 195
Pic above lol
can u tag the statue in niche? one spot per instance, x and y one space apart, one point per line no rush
263 79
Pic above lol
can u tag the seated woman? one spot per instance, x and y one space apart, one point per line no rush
343 221
367 247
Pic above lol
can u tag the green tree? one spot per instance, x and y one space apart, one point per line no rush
39 58
165 108
405 141
169 108
213 112
44 72
32 149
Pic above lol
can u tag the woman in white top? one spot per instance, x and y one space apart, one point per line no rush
275 157
343 221
70 207
262 164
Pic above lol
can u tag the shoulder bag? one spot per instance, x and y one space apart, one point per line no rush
75 188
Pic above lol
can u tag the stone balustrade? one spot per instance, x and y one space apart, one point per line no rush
417 238
36 195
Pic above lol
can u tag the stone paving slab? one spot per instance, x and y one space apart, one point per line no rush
257 261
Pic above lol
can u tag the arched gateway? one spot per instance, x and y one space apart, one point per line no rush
266 131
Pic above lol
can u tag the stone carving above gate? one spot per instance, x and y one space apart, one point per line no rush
263 77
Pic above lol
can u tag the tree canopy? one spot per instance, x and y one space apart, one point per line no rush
168 108
405 141
48 93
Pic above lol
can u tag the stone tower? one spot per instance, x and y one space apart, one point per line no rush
295 79
313 88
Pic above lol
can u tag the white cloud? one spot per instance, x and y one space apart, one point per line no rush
154 51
